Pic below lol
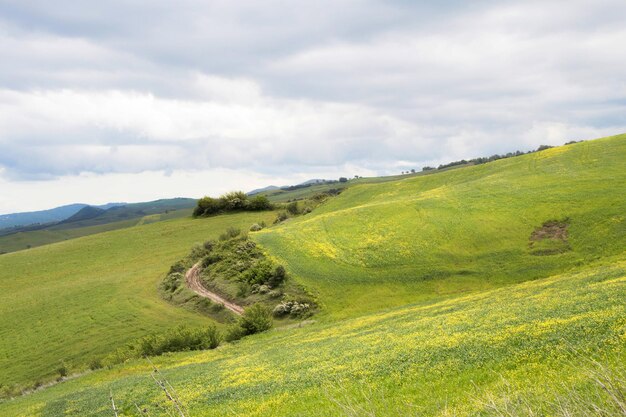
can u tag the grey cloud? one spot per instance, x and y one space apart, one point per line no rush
272 86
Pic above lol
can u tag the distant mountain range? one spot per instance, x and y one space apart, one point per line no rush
286 187
80 215
56 214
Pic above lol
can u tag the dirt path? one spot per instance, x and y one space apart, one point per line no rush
192 278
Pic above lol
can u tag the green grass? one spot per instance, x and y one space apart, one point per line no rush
57 233
453 357
468 229
80 299
409 276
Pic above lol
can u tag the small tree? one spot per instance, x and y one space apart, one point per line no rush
343 179
259 202
292 208
255 319
235 200
277 277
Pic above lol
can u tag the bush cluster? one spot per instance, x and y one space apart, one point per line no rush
292 308
264 273
229 202
255 319
180 339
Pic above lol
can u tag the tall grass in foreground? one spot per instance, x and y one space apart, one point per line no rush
602 394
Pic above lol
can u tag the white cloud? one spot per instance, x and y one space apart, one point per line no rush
283 91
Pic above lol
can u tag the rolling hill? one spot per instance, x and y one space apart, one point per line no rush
494 289
528 349
53 215
388 244
94 219
75 301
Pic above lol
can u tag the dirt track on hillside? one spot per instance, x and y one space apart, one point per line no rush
192 278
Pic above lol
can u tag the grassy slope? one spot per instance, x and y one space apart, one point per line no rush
379 245
58 233
442 359
82 298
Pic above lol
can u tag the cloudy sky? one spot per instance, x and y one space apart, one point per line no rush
135 100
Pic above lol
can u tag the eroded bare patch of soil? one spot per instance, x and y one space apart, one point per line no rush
550 238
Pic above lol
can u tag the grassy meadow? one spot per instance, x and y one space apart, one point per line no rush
468 229
57 233
487 290
74 301
525 349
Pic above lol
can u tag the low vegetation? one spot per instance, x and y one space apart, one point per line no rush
468 229
235 201
546 347
492 290
235 268
77 301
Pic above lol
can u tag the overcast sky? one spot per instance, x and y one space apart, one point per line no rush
137 100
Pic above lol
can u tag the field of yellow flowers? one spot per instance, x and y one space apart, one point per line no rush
470 229
538 347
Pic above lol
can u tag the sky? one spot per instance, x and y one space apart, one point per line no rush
138 100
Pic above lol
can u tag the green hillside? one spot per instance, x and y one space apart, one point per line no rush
438 294
74 301
387 244
483 354
90 220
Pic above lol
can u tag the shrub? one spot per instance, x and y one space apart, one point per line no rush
230 233
235 200
62 371
292 208
260 202
179 266
255 227
207 206
278 276
259 274
293 308
95 364
197 252
178 340
280 217
209 245
173 281
234 332
255 319
211 258
212 336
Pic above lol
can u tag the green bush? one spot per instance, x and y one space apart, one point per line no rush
255 319
172 281
292 208
281 217
179 266
178 340
277 277
62 371
230 233
197 252
255 227
259 274
95 364
234 332
259 203
233 201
